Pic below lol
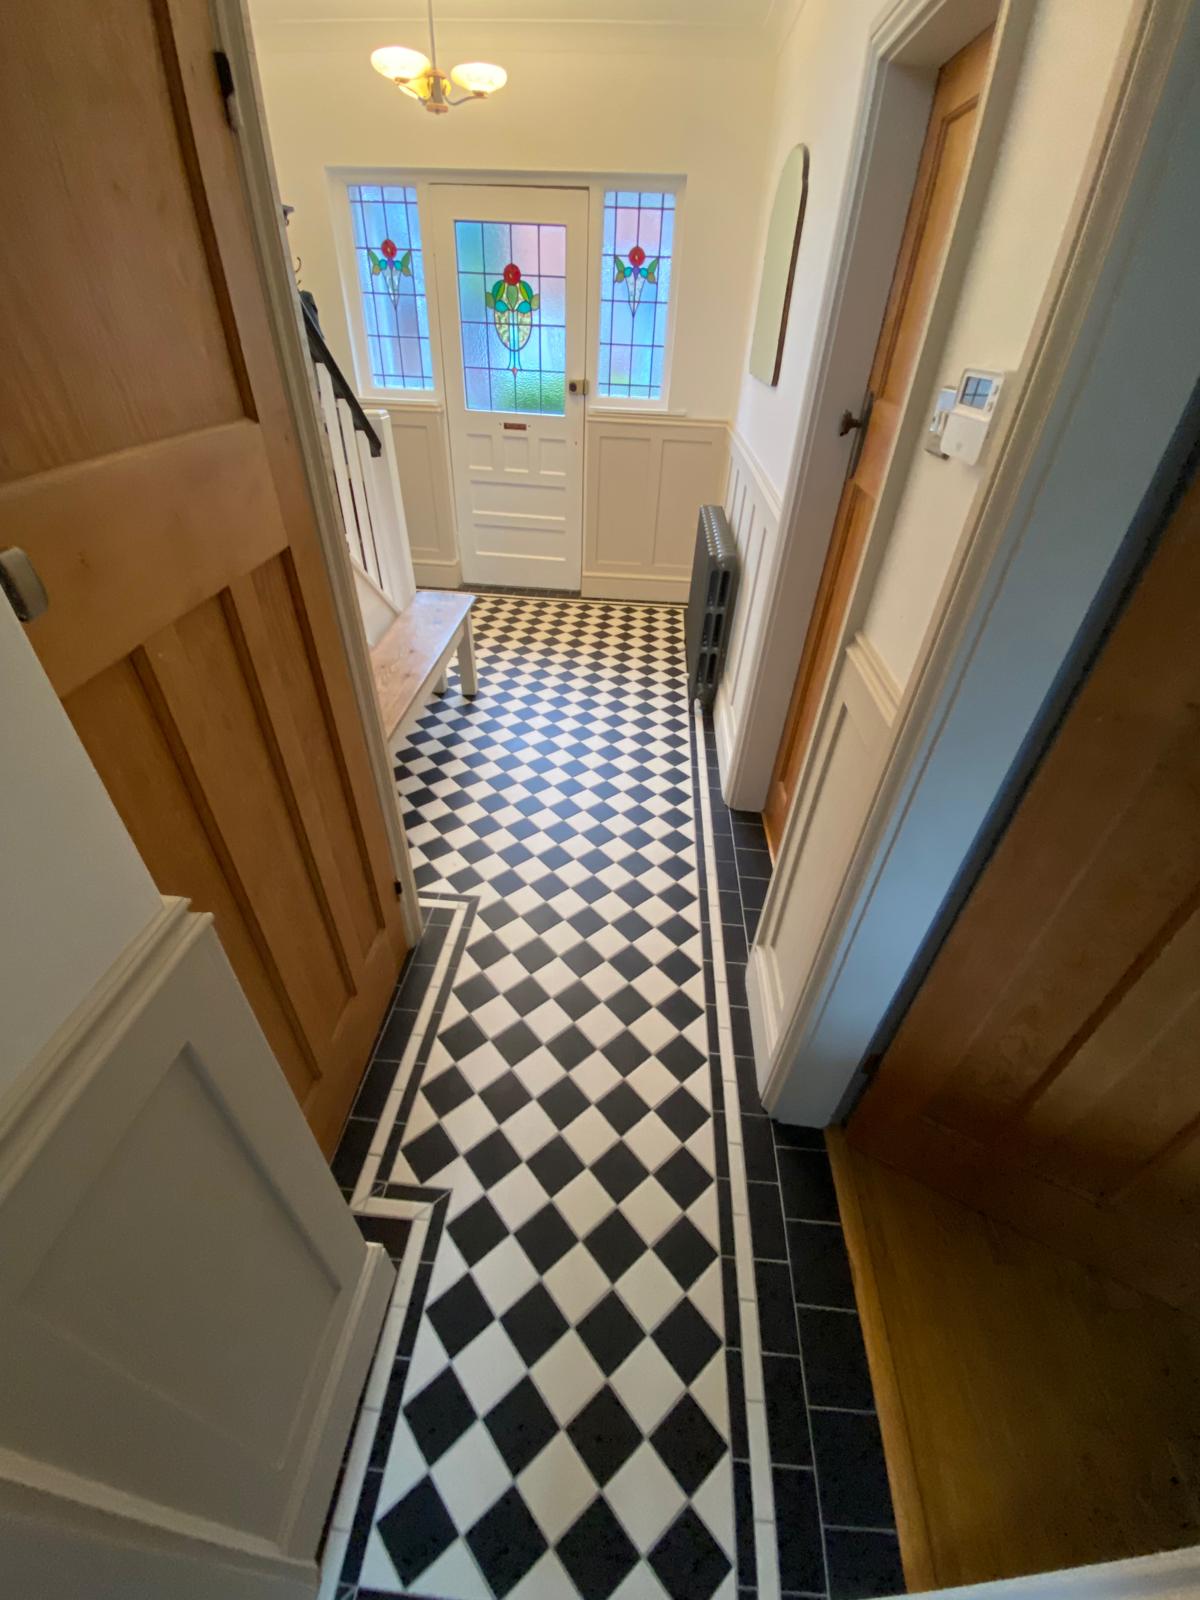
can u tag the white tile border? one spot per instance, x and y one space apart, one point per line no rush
761 1492
363 1440
417 1212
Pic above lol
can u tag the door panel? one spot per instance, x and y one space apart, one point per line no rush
150 469
940 173
1046 1071
511 275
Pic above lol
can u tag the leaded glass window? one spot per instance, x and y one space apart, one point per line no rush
391 280
635 293
512 303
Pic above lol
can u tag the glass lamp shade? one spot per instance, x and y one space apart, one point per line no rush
399 64
479 77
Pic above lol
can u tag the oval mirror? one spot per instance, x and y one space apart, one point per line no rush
779 266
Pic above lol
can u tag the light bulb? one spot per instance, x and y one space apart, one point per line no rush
479 77
399 64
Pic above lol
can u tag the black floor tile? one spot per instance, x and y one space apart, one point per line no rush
798 1530
689 1562
806 1180
820 1265
787 1414
850 1468
776 1308
863 1565
766 1222
835 1359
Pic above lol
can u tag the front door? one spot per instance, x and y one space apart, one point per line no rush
149 466
512 290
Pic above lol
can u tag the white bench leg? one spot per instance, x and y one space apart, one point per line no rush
466 661
440 686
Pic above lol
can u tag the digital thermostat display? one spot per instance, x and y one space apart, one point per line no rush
964 427
976 391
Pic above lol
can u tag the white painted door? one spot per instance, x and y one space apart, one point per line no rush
511 274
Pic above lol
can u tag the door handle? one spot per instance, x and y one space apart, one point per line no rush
25 590
849 423
578 386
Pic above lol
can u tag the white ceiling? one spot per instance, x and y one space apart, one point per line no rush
749 14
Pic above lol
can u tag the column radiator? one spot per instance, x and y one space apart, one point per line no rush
710 603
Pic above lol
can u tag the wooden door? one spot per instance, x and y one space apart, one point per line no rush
149 467
1048 1071
516 429
940 173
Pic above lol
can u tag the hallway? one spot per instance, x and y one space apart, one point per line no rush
561 1142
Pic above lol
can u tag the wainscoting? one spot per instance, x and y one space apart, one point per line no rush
423 461
851 745
753 508
645 479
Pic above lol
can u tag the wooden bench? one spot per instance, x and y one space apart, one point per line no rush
411 657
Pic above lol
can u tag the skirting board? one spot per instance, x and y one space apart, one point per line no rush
438 574
637 586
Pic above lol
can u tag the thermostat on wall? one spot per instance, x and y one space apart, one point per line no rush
968 420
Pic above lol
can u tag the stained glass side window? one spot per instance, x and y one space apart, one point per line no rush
512 303
635 293
391 280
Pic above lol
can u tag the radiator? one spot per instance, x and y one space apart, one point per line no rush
710 603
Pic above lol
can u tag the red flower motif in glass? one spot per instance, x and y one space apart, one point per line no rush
388 248
512 273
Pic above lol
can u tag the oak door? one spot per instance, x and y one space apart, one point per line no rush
1048 1070
149 467
512 293
940 173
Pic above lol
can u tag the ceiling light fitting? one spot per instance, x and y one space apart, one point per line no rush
420 76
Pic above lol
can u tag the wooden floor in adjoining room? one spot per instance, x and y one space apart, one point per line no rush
1036 1414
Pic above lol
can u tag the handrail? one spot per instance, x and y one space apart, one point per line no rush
319 351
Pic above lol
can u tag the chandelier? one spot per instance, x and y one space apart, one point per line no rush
421 77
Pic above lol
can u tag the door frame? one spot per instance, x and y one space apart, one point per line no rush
265 207
445 333
909 43
1022 580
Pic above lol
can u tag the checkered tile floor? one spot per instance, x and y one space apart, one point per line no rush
565 1425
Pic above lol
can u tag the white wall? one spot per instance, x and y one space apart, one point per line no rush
813 100
76 892
1054 110
581 98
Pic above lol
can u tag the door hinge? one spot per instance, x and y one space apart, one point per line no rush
225 83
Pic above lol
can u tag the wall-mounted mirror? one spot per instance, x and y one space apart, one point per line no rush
779 266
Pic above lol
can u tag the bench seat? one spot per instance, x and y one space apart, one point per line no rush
410 660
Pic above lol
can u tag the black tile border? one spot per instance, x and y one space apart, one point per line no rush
803 1281
394 1035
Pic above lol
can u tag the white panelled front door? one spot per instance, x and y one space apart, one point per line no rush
511 274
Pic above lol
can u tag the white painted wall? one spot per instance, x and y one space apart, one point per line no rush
76 892
813 100
581 98
1055 110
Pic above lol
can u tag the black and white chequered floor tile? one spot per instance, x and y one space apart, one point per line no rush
565 1426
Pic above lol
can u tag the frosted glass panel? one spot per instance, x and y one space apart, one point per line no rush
391 280
512 314
635 292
